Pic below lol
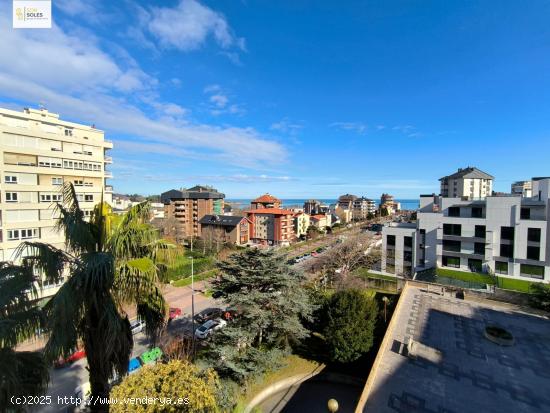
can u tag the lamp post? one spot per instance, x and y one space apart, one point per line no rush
193 303
332 406
385 299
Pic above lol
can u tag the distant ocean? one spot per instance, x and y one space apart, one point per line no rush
406 204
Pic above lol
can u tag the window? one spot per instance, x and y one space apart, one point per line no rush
408 242
407 256
390 253
452 229
78 183
507 233
525 213
451 261
68 132
501 267
479 248
480 231
88 198
532 271
533 253
50 197
475 265
390 240
507 250
15 234
390 268
11 196
449 245
57 181
477 212
454 211
10 179
533 234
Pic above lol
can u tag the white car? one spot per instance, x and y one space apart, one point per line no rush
137 327
207 328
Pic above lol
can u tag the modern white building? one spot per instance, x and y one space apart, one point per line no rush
38 154
467 182
503 235
362 207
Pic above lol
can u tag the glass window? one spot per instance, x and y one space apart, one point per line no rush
480 231
452 229
390 268
507 250
11 196
449 245
532 271
454 211
525 213
451 261
407 256
57 181
533 253
475 265
507 233
390 239
10 179
501 267
533 234
407 241
479 248
477 212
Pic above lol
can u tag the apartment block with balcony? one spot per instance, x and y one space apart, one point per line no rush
398 246
270 224
38 154
363 207
186 207
468 182
505 235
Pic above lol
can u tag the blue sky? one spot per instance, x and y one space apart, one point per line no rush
298 98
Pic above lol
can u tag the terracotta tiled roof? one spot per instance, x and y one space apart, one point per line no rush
318 216
267 198
274 211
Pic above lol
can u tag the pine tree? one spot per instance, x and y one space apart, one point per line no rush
270 303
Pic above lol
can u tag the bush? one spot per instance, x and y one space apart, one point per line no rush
540 296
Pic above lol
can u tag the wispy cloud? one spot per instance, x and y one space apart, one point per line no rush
219 102
285 125
357 127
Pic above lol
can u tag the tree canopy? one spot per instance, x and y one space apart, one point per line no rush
270 304
350 321
188 389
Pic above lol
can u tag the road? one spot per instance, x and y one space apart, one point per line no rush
64 381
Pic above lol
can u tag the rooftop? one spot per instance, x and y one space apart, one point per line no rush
273 211
455 368
221 220
468 172
265 198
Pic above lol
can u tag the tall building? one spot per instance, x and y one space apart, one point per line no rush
186 207
301 224
312 207
39 153
362 207
505 235
265 201
270 224
522 188
346 201
469 182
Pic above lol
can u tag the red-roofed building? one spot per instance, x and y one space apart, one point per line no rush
265 201
271 226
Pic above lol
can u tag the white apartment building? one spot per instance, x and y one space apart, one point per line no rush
522 188
362 207
467 182
38 153
505 235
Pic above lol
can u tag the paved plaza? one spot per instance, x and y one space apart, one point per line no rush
461 370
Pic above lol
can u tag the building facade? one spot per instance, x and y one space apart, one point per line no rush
362 207
321 221
184 209
522 188
39 153
503 235
265 201
301 224
225 229
467 182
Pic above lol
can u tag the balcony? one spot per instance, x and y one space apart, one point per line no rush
109 188
108 159
108 174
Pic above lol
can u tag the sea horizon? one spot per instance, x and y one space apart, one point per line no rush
406 204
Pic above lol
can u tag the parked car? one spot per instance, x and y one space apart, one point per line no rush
208 314
137 327
63 362
217 294
210 326
134 365
174 313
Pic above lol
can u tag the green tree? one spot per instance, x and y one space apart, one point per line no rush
23 373
270 303
350 321
540 296
190 390
111 268
313 232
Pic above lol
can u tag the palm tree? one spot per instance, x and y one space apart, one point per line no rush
112 266
22 373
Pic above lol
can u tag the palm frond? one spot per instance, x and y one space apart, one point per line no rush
133 279
45 258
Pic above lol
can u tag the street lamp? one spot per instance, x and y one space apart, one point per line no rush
385 299
332 406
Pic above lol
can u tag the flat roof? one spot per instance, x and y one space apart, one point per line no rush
459 370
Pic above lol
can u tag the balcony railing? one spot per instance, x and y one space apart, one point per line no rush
108 159
108 174
108 188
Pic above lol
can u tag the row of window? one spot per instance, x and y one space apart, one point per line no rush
506 233
501 267
22 234
14 197
477 212
12 179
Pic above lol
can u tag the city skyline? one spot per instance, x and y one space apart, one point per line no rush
372 99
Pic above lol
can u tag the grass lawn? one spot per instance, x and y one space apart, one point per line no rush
474 277
516 285
181 267
294 365
184 282
365 273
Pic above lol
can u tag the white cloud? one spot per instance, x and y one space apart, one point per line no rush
212 88
81 8
220 100
357 127
189 24
286 126
75 78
